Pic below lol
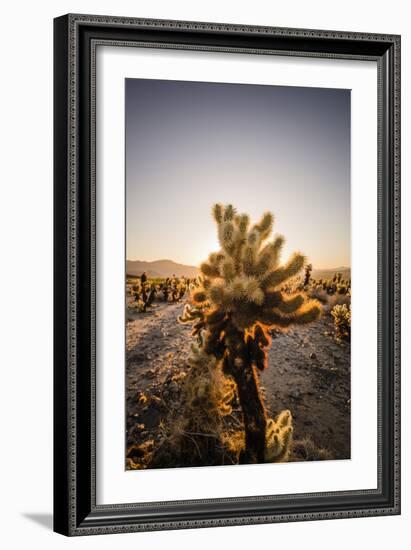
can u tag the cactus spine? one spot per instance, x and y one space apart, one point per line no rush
238 301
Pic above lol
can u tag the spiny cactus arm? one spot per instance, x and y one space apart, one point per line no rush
256 353
228 269
227 237
261 335
215 258
242 221
258 357
272 299
308 312
281 447
209 270
277 246
229 213
257 341
291 304
254 239
220 294
218 212
230 295
274 449
268 257
265 225
278 276
252 291
249 259
190 314
273 318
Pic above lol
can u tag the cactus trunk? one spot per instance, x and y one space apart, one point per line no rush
254 416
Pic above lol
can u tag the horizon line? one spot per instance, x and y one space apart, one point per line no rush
196 266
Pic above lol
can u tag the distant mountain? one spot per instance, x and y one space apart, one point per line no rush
161 268
168 268
329 273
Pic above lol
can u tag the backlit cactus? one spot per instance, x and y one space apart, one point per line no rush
279 434
341 314
238 301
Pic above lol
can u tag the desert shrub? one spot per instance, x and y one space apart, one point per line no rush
318 293
342 321
337 300
306 449
139 456
197 435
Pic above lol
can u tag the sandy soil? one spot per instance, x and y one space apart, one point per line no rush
308 373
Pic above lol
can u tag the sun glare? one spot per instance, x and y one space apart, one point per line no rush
205 248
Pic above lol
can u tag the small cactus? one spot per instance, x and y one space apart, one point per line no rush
307 275
341 314
279 437
144 295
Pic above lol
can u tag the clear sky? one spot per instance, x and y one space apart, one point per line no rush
282 149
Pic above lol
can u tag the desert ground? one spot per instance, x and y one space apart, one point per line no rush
308 373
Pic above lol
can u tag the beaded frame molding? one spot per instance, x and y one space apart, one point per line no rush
76 38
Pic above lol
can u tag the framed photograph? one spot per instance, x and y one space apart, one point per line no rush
227 274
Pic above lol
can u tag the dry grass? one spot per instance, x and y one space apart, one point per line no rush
306 449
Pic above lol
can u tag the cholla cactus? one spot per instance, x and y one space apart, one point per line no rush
238 301
144 295
278 438
174 289
307 275
342 321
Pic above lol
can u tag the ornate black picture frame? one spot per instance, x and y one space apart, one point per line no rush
76 38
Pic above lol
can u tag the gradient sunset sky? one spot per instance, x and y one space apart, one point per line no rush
192 144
